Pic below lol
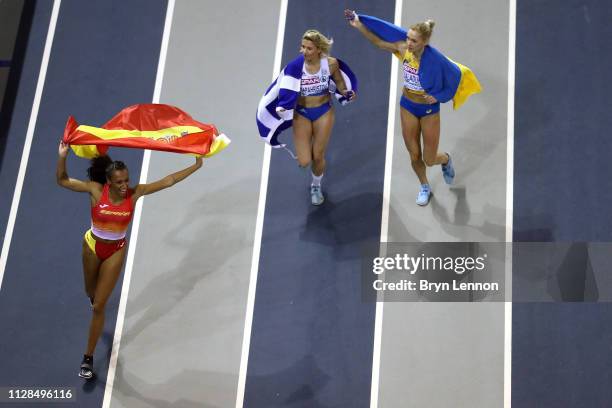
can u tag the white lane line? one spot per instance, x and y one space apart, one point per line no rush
25 155
384 225
509 207
125 289
261 209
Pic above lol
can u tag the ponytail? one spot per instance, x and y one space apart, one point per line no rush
97 169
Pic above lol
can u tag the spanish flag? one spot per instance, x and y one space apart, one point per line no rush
146 126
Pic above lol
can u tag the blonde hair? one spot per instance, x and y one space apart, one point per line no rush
425 29
320 41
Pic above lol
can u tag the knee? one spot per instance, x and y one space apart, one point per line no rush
415 157
429 161
318 154
303 162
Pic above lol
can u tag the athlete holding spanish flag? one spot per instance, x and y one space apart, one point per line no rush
430 78
104 245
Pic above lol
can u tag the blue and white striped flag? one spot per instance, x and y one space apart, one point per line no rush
275 110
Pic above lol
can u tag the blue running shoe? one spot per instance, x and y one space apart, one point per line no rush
316 196
448 171
424 195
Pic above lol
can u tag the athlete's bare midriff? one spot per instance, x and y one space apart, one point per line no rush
313 101
414 97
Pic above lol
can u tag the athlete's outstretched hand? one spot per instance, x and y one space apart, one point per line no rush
63 149
351 17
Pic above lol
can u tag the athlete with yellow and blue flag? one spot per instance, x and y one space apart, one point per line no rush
430 78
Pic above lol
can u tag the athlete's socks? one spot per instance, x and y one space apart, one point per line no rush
316 180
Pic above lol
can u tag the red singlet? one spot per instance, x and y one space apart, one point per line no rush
109 221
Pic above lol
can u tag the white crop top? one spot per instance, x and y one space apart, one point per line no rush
315 84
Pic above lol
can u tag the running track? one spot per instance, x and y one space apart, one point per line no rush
191 283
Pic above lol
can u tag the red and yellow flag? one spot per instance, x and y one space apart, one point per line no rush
146 126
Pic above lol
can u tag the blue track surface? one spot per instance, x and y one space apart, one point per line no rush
312 335
562 192
17 126
101 61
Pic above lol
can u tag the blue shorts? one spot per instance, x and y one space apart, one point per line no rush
315 113
419 109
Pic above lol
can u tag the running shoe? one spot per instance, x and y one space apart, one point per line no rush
316 196
424 195
86 370
448 171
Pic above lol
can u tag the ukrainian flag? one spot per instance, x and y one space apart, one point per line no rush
440 76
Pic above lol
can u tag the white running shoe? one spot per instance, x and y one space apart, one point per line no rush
316 196
424 195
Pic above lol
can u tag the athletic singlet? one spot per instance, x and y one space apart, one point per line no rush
315 84
411 73
109 221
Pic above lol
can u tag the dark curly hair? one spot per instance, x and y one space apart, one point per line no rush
101 168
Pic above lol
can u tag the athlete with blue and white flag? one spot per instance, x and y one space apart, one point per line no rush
301 97
430 78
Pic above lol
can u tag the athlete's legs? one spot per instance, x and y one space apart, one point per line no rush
411 131
91 266
302 138
321 132
430 126
110 269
